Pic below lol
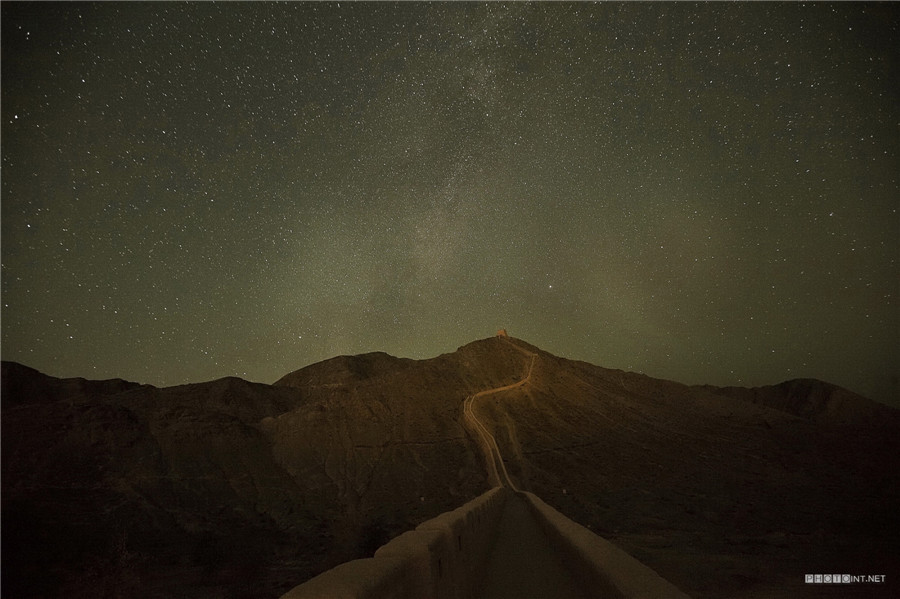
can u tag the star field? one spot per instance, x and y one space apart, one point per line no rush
706 193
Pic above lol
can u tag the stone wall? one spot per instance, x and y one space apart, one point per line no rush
442 558
601 568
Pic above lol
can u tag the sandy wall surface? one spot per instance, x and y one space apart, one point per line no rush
441 559
602 568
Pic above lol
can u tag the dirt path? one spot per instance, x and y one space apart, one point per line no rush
523 564
497 474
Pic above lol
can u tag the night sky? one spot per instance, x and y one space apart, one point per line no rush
705 193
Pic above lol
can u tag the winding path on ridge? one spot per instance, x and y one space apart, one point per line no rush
522 562
496 468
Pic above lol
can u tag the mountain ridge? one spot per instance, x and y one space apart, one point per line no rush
803 397
816 400
338 457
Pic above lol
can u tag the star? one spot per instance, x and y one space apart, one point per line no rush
400 177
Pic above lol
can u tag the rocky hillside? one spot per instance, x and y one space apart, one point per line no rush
236 489
817 401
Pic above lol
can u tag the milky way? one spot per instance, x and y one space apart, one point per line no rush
706 193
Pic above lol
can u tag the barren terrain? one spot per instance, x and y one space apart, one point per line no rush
231 488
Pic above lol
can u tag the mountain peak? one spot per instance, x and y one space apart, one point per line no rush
340 456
